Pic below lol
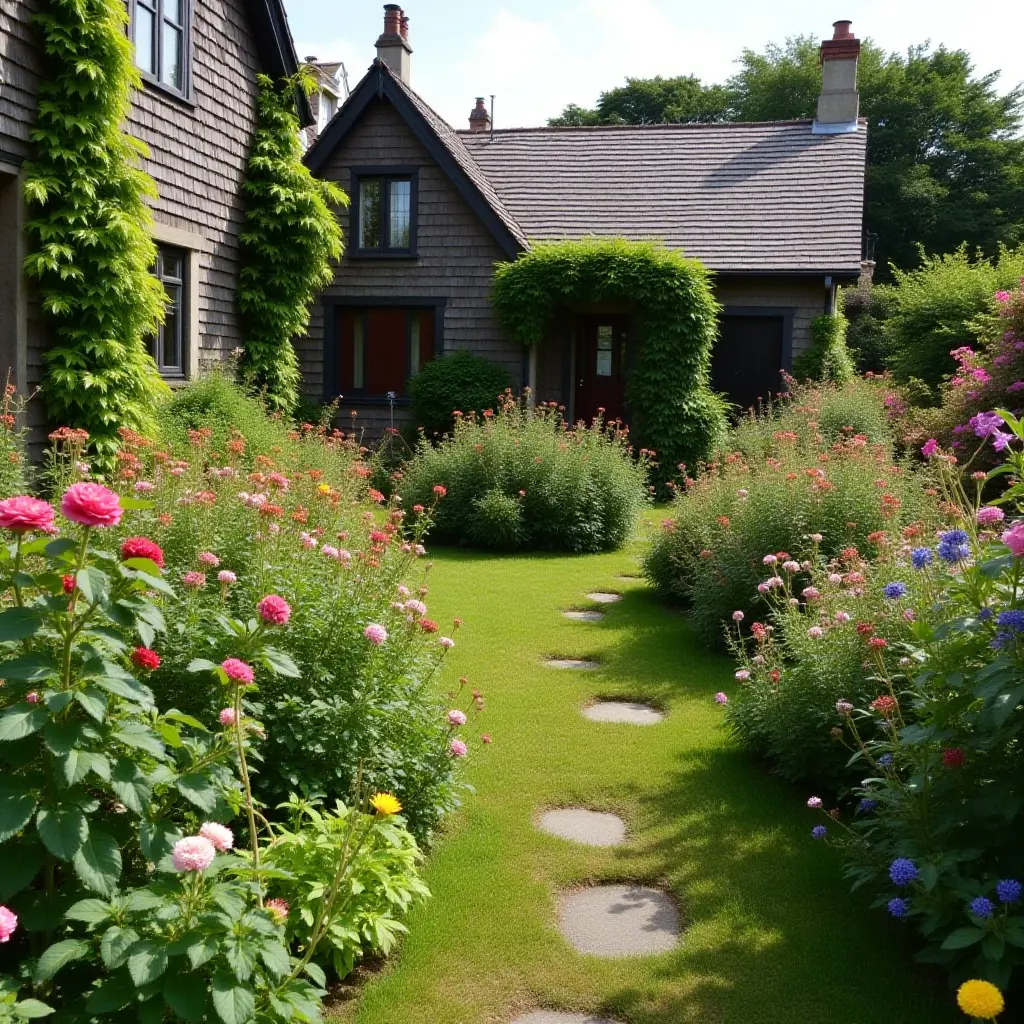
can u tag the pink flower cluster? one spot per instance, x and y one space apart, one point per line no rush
274 610
238 671
193 853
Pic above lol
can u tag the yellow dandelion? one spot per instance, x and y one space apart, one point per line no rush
324 488
980 999
385 804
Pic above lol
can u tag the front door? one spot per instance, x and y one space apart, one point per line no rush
601 347
747 359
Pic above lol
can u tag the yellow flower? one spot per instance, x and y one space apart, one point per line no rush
385 804
324 488
980 999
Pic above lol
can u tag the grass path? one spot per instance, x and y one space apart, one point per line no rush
771 933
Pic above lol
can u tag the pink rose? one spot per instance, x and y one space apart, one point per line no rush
274 610
8 923
1013 538
193 853
91 505
21 514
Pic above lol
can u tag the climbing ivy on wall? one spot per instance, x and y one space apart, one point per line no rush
672 407
828 358
89 225
291 236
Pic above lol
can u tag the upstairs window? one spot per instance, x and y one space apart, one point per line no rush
161 33
168 344
386 215
380 349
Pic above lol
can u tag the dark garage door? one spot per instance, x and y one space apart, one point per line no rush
748 357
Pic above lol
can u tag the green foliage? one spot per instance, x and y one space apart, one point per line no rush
798 470
521 480
672 408
13 444
89 225
933 308
866 310
383 880
458 381
290 238
652 101
828 358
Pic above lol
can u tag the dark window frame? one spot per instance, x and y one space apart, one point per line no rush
385 174
170 371
332 311
184 94
785 313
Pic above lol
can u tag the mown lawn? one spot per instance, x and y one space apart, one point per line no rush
771 932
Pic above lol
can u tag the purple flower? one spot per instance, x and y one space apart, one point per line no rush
985 423
898 906
895 590
1009 890
1001 441
981 906
866 805
902 871
885 760
921 557
1012 618
819 831
721 698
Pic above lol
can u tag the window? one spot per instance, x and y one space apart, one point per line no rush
386 212
160 31
380 349
328 108
168 344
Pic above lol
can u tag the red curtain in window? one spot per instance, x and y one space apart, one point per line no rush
386 337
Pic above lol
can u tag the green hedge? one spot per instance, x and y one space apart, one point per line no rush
459 381
828 358
672 408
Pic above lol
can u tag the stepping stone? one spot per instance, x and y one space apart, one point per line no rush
592 828
604 597
629 576
554 1017
619 920
584 616
571 663
630 712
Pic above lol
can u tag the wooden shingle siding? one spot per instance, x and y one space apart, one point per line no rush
20 78
455 261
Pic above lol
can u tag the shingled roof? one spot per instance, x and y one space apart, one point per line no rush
769 197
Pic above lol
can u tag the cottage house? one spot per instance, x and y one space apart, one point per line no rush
196 112
330 90
774 209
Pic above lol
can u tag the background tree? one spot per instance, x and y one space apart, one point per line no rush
945 160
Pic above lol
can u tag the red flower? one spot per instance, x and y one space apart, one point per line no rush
865 628
953 757
68 583
878 643
142 547
375 495
145 658
428 625
775 675
884 704
440 490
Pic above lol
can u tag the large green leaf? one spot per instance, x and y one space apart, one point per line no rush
19 623
115 945
76 764
22 720
234 1003
130 785
20 862
186 995
16 809
147 961
93 701
157 838
29 1009
127 687
113 993
198 789
63 828
98 862
90 911
963 937
281 663
135 734
59 954
29 668
93 584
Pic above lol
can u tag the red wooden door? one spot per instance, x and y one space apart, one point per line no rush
601 366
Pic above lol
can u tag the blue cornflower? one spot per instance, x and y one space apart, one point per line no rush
1009 890
920 557
895 590
953 546
898 906
985 614
819 831
982 906
902 871
866 806
1012 618
885 760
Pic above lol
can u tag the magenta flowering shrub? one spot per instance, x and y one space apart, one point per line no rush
929 813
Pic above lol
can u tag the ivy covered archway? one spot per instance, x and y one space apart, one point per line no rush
673 409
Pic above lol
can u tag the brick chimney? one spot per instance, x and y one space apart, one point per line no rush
839 101
479 119
393 43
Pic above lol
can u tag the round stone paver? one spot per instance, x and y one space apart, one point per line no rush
571 663
592 828
604 597
583 616
629 712
619 920
554 1017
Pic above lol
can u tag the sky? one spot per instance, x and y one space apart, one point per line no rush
536 56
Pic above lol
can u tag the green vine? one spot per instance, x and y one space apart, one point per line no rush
290 238
672 408
828 357
89 225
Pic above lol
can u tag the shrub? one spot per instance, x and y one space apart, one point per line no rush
866 310
458 381
784 481
932 825
674 412
934 306
522 479
828 358
13 435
